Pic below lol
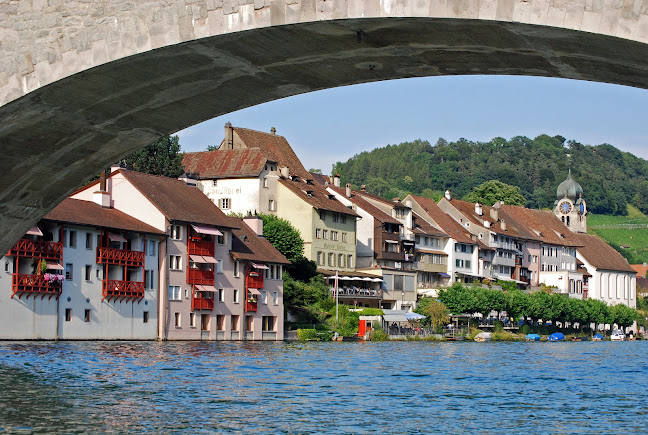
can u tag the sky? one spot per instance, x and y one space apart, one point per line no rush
333 125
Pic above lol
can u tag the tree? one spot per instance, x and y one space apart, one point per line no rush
436 313
492 191
283 236
162 157
213 147
315 171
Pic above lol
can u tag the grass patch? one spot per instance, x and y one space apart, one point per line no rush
626 234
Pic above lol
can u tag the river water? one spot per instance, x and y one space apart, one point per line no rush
390 387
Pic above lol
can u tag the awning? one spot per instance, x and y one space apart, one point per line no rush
35 231
54 265
366 278
377 280
392 241
254 291
209 259
116 237
259 266
445 275
206 230
206 288
395 317
197 259
344 277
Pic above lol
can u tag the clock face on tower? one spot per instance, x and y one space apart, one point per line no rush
565 207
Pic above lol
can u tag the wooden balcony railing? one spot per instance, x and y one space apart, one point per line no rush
200 247
198 303
254 280
130 290
36 285
34 248
120 257
200 276
250 306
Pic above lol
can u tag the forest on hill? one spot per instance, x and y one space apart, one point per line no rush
611 179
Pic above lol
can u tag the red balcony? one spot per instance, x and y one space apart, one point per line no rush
33 248
254 280
130 290
200 247
37 285
198 303
200 276
120 257
250 306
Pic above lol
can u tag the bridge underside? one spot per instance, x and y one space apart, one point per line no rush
58 136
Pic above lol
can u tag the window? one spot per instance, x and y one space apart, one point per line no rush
68 314
349 260
88 272
265 181
98 273
220 322
176 232
148 279
221 295
65 238
334 235
271 204
275 298
174 293
220 239
268 323
68 271
343 219
341 260
86 316
219 266
248 323
235 296
331 259
264 297
320 258
72 239
151 248
344 237
6 266
236 269
192 320
335 217
177 320
318 233
235 323
325 234
467 264
398 282
224 203
145 317
175 262
322 214
88 240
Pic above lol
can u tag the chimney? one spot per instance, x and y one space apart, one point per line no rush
336 180
503 225
101 197
494 213
397 200
478 209
273 130
229 136
348 190
448 196
363 188
284 171
254 222
486 224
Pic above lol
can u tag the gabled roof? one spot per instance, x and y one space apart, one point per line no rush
273 147
316 196
601 255
178 201
76 211
225 164
365 205
421 226
320 178
246 245
468 210
451 227
540 225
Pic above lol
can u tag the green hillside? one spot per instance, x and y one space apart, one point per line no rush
611 179
627 234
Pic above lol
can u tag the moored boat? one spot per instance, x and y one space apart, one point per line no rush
483 336
532 337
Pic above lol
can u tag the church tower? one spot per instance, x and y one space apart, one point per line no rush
570 207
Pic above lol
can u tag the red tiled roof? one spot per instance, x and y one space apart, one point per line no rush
358 200
320 178
451 227
601 255
225 164
468 210
178 201
421 226
76 211
318 197
539 225
246 245
641 269
273 147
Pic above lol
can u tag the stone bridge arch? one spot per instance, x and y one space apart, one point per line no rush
83 83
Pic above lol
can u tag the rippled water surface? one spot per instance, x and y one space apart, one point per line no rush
393 387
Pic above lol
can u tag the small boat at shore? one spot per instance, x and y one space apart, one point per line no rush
618 335
597 337
483 336
532 337
556 336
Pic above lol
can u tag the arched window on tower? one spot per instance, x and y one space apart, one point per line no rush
563 219
567 220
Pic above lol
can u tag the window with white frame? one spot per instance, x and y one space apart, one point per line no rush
177 320
192 320
264 297
265 182
349 260
320 258
176 232
175 262
220 239
236 269
341 260
325 234
275 298
68 271
175 293
318 233
224 203
334 235
235 296
219 266
344 237
331 259
88 272
221 295
271 205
